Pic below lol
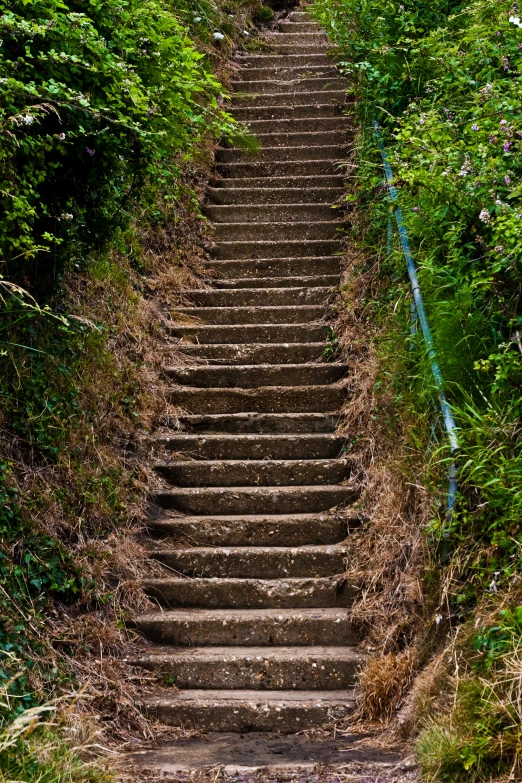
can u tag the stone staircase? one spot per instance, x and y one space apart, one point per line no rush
251 624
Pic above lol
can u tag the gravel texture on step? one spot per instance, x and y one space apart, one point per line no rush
255 500
270 353
262 446
257 473
248 627
284 711
254 562
255 529
252 376
217 592
249 333
261 423
255 668
268 399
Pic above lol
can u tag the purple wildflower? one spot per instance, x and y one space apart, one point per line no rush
507 146
415 209
492 139
507 180
475 127
89 151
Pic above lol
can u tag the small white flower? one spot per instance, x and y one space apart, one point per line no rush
515 20
28 119
485 216
61 136
218 36
245 32
197 18
66 216
438 619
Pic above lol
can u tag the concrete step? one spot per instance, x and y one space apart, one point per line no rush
301 314
276 196
315 281
298 126
255 500
274 267
335 95
279 184
312 84
264 249
258 297
247 628
326 229
255 530
254 668
289 153
315 108
299 139
258 353
253 333
255 562
264 213
258 168
292 26
262 423
298 16
257 473
271 60
255 446
239 711
268 399
310 38
286 72
224 593
252 376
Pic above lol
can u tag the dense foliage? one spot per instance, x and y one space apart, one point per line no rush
95 97
443 81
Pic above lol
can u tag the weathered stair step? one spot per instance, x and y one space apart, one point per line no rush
268 399
223 446
255 562
247 627
273 267
317 281
257 473
298 84
270 60
255 529
285 165
270 232
239 711
280 314
301 138
285 153
288 72
264 213
290 98
255 668
266 195
315 108
230 251
309 38
291 25
255 500
224 593
262 423
246 297
281 185
285 353
298 126
253 376
251 333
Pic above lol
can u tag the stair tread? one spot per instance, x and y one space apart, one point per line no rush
210 697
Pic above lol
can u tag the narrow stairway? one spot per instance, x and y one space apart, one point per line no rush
252 621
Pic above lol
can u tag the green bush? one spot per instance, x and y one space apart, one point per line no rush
95 98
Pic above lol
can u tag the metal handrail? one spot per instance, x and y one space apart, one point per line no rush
449 422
